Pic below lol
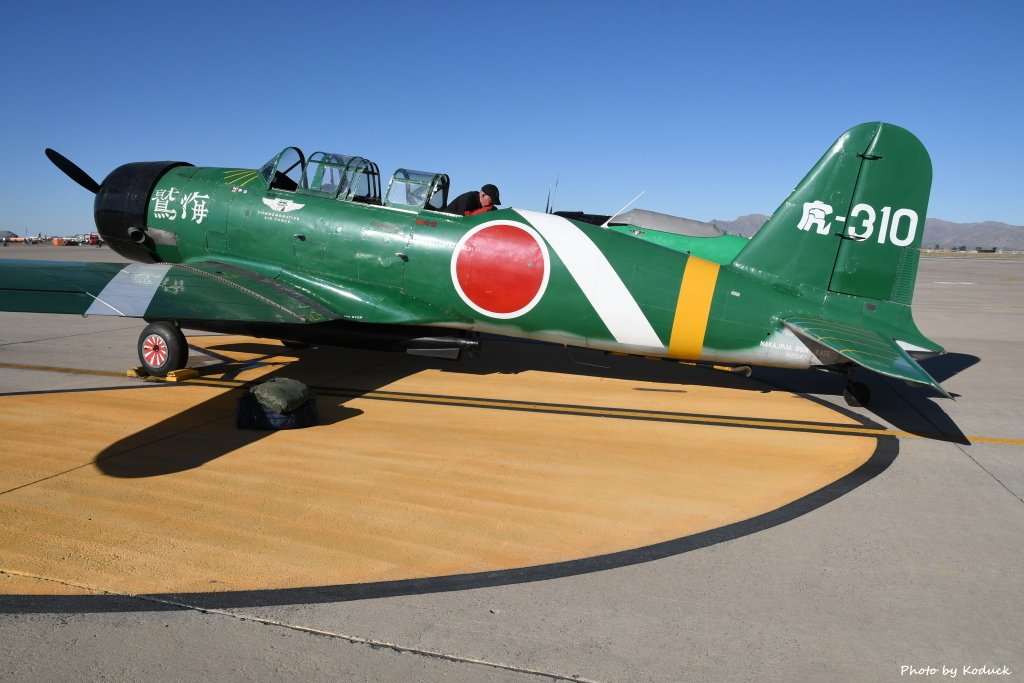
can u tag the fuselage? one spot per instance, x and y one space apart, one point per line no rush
309 249
510 272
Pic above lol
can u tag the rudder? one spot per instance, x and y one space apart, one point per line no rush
854 224
885 224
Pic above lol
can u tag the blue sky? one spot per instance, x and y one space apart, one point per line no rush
715 109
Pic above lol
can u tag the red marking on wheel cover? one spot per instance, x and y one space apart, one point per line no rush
154 350
500 269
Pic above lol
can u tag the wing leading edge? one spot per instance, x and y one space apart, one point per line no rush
864 347
208 291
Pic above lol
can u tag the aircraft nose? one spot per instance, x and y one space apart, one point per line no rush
121 206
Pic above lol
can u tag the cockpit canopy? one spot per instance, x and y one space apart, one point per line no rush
417 190
324 174
353 179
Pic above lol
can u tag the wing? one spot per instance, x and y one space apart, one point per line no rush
207 291
864 347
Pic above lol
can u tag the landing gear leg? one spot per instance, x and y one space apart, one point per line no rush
856 393
162 348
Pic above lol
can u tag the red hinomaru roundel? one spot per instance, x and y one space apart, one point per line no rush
501 268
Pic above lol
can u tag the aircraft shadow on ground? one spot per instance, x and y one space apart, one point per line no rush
919 411
948 365
915 410
207 431
926 416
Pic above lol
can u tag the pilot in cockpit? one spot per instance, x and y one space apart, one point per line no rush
474 202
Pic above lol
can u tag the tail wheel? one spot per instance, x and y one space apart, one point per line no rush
162 348
857 394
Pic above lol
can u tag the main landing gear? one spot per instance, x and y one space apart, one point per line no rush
162 348
856 393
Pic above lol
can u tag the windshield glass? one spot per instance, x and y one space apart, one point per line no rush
417 190
284 172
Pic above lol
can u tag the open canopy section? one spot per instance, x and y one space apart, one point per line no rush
417 190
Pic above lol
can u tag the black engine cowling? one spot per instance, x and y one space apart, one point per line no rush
122 203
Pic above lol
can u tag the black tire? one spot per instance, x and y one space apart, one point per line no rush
162 348
857 394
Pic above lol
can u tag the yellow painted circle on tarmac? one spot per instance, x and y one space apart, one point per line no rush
417 473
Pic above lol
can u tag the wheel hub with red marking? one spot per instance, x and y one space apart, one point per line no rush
154 350
501 268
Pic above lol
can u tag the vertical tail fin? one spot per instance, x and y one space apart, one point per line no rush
854 224
846 244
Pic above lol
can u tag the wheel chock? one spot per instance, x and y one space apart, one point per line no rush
182 375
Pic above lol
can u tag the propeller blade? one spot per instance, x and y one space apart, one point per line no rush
72 171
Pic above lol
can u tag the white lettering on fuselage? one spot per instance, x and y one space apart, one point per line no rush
789 351
282 205
281 209
163 200
898 227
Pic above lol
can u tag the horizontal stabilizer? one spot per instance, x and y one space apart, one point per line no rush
864 347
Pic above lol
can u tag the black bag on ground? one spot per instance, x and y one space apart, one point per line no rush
280 403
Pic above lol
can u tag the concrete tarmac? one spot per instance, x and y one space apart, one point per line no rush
915 563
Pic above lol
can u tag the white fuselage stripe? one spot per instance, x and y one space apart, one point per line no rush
595 276
130 292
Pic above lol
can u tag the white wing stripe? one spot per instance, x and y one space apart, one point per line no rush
130 292
598 280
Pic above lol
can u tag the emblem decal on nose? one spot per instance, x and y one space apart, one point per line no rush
501 269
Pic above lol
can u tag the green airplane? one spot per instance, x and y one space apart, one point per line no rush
309 251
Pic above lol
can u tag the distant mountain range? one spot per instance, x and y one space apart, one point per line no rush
937 232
